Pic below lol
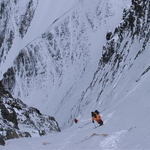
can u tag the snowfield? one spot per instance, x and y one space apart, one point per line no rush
126 126
122 129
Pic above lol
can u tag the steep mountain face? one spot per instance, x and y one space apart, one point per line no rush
125 46
81 64
15 18
49 70
19 120
122 75
123 69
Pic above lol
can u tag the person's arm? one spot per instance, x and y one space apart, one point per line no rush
93 119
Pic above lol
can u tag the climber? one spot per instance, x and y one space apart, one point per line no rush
97 117
76 120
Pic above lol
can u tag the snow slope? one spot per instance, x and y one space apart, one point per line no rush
48 72
45 13
117 86
126 124
118 132
16 17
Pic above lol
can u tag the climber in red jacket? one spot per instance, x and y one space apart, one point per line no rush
76 120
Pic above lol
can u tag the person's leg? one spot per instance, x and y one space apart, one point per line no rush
101 122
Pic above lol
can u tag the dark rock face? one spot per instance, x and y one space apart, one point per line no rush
2 142
108 35
135 23
22 16
9 79
10 116
14 114
27 18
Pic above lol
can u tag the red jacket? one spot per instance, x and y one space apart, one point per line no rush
76 120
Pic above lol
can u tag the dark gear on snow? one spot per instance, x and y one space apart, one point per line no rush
96 111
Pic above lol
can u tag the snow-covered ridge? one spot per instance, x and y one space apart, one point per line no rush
15 19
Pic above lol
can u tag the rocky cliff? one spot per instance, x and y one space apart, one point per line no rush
19 120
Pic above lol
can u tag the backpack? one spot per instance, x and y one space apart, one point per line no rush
94 115
96 111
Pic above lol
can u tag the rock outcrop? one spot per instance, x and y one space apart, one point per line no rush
19 120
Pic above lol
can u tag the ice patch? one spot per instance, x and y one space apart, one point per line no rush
111 141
